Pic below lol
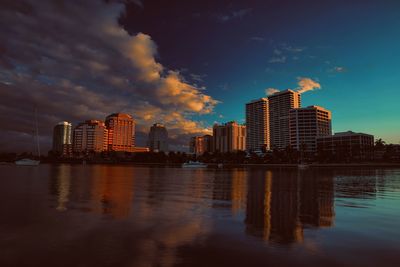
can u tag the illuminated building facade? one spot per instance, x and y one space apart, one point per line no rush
280 104
90 136
200 144
62 138
229 137
121 132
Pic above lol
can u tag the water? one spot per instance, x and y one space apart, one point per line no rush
100 215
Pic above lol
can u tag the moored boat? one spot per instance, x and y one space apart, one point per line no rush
27 162
194 164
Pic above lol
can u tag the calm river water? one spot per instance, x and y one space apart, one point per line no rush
100 215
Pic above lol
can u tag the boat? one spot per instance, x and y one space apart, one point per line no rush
302 166
194 164
29 161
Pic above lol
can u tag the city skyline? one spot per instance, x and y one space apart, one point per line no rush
194 69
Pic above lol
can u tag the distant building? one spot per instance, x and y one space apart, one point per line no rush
158 138
138 149
201 144
305 125
280 104
62 138
121 132
257 125
90 136
229 137
347 145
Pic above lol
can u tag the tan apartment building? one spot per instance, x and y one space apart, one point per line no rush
229 137
200 144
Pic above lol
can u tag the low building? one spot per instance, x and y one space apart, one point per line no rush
346 146
229 137
138 149
90 136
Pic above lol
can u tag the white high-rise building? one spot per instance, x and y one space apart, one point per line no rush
90 136
257 125
62 140
280 104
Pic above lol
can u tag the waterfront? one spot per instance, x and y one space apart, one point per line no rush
110 215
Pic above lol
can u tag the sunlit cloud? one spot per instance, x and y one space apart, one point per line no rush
307 84
304 85
271 91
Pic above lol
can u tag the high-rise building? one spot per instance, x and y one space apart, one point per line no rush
306 124
158 138
62 140
257 125
201 144
121 132
229 137
280 104
90 136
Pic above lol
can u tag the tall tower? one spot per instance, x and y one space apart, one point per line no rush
158 138
229 137
121 132
280 104
62 137
306 124
257 125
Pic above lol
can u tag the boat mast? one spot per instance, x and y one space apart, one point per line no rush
37 133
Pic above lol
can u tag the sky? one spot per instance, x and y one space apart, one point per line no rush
190 64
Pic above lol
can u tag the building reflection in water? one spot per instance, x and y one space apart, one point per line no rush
60 185
112 190
107 189
280 204
231 189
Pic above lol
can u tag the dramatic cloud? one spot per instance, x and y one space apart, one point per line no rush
304 85
72 61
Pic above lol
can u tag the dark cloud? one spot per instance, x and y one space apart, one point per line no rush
71 60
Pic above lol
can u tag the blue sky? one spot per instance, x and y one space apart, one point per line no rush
350 47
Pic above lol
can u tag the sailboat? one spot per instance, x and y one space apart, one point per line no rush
28 161
302 165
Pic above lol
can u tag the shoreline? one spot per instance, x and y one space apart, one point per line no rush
231 165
